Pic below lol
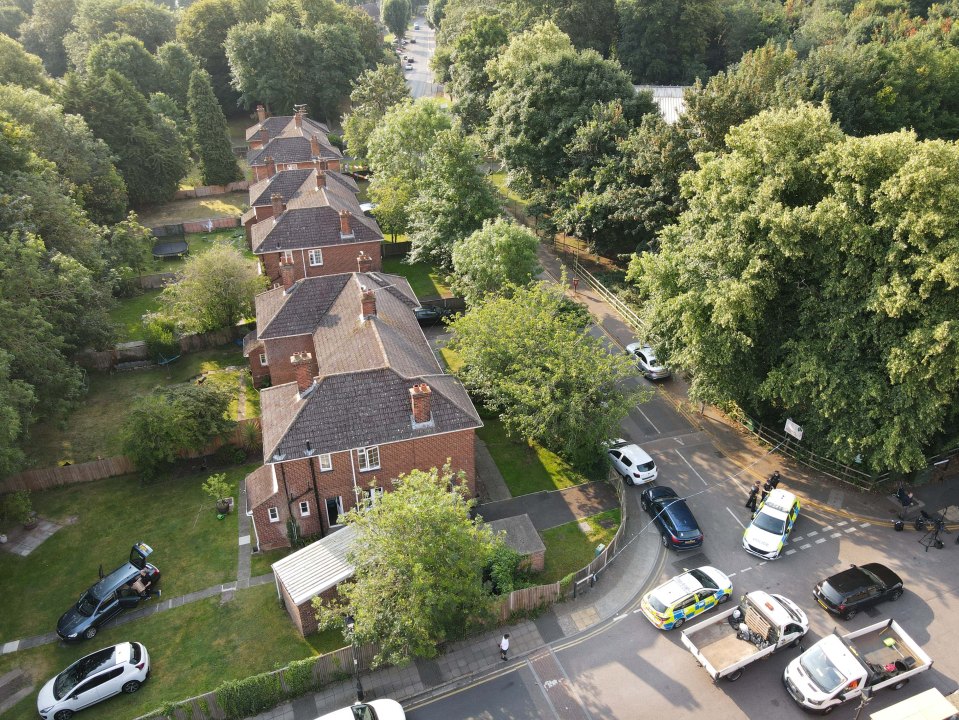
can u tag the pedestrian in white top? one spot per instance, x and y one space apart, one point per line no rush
504 646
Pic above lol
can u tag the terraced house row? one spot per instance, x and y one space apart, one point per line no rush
353 394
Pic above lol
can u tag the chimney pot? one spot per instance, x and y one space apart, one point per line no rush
368 302
364 262
270 165
303 364
320 179
420 399
286 274
260 112
345 230
277 201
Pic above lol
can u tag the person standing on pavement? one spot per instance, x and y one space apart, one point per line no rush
753 493
504 646
767 488
774 480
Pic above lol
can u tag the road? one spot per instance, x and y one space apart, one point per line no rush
420 78
628 669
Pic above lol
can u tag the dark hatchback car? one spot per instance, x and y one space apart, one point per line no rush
429 315
122 589
857 588
673 517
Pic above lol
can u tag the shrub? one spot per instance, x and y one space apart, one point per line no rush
298 677
229 455
18 506
217 486
504 568
160 335
250 696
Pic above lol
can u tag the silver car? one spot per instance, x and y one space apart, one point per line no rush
646 361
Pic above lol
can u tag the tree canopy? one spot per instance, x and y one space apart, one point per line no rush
209 132
419 561
396 15
498 258
19 67
374 92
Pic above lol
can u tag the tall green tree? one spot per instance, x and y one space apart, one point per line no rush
590 24
470 83
419 561
202 29
495 259
396 15
374 92
453 199
43 33
215 291
11 18
151 155
127 56
16 402
210 134
176 67
127 250
18 67
533 363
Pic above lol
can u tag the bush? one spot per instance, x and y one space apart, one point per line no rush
250 696
160 334
226 455
217 487
298 677
504 569
17 506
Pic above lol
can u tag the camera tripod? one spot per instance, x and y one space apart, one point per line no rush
934 527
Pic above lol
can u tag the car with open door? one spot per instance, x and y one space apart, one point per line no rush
123 589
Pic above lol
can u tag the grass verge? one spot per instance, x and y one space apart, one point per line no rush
93 429
571 547
260 562
426 281
101 520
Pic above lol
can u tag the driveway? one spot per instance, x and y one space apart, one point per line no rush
555 507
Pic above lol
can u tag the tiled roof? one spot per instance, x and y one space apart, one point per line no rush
356 409
317 567
285 183
276 124
250 343
259 486
281 314
291 149
311 227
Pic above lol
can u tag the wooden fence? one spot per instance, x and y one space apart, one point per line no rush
211 190
195 226
526 599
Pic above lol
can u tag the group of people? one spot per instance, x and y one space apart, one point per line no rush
760 490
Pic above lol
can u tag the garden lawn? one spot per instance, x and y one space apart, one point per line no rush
178 211
93 429
193 649
101 520
128 314
261 562
569 548
499 182
426 281
199 242
527 467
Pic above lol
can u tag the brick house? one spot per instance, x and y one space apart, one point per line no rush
289 143
320 230
358 398
289 184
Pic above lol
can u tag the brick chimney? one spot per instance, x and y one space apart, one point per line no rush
368 304
320 179
277 201
260 113
303 364
420 399
345 230
364 262
264 136
286 274
298 119
270 166
324 164
314 146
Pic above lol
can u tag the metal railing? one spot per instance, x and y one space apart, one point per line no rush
627 313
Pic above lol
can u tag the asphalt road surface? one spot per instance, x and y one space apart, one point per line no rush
627 669
420 78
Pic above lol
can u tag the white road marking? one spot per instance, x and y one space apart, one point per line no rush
812 533
841 523
735 518
797 538
851 529
821 540
865 525
826 527
745 569
691 467
835 535
731 575
649 421
764 562
790 552
806 546
619 617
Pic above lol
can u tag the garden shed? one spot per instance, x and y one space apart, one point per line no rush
521 535
315 570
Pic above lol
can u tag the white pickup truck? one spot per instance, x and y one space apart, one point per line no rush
839 667
761 624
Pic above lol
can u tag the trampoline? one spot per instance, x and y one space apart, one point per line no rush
171 249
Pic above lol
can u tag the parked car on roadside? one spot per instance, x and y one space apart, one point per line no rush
409 64
428 315
122 589
861 586
672 516
645 358
771 524
119 669
685 596
632 463
385 709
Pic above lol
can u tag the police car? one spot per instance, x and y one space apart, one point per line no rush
686 596
772 522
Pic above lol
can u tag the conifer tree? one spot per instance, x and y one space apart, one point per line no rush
209 133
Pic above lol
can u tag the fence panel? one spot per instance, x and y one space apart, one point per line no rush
47 478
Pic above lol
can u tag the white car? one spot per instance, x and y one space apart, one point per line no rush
416 26
772 522
633 464
645 358
409 65
95 677
373 710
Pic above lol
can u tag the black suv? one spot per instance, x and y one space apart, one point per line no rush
857 588
673 517
120 590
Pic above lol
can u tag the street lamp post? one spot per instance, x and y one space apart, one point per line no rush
350 625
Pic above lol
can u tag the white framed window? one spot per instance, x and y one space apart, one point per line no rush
316 257
305 508
372 495
326 462
274 514
369 458
263 360
334 509
287 256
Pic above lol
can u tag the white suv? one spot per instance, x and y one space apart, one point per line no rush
103 674
632 463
